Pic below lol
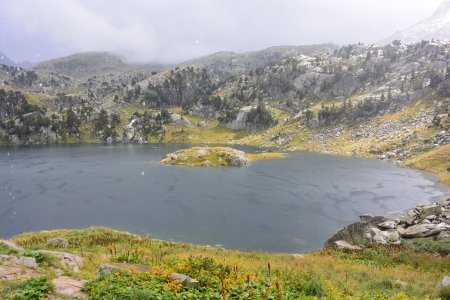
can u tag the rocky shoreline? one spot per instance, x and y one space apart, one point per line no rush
423 221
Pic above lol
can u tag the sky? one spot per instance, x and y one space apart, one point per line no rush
171 31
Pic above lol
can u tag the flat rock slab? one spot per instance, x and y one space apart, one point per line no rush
423 230
68 287
13 268
343 245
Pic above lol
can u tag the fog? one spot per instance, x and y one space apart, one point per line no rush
167 31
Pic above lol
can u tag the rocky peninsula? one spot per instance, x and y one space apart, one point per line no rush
424 221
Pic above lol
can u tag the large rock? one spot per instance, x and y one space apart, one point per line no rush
185 280
409 217
68 287
423 230
445 282
343 245
58 242
178 119
358 233
29 262
389 224
428 210
238 161
68 260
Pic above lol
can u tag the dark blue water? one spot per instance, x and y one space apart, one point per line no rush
288 205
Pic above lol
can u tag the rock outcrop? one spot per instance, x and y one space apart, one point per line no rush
431 221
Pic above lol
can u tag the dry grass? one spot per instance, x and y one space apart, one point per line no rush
346 274
436 161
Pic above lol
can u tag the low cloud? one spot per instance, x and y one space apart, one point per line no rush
176 30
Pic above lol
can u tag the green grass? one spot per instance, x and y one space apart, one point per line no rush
436 161
441 247
370 274
31 289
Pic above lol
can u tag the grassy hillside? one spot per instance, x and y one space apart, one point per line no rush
378 273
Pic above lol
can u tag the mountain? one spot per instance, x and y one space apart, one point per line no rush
88 64
83 64
227 64
436 27
4 60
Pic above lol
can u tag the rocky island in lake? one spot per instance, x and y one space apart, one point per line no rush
215 157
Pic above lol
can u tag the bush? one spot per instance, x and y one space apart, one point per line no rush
444 293
33 289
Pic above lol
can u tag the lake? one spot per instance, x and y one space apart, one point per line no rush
288 205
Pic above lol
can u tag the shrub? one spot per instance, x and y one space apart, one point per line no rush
33 289
444 293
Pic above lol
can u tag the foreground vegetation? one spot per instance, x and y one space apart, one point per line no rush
375 273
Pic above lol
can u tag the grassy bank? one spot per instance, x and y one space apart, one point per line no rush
378 273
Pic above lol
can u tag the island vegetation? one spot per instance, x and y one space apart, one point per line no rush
216 157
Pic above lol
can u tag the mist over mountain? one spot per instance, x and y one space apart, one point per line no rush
4 60
436 27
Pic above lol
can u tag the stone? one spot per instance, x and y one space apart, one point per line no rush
68 287
200 153
409 217
29 262
445 282
423 230
58 242
12 246
379 236
185 280
401 283
343 245
443 235
431 217
109 140
68 260
298 256
238 161
389 224
201 124
110 268
393 237
429 210
179 119
358 233
12 267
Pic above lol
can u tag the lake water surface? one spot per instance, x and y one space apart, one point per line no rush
288 205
